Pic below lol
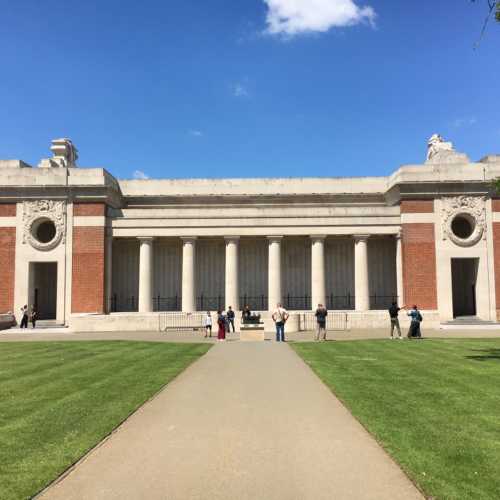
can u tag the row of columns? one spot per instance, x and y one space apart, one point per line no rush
318 281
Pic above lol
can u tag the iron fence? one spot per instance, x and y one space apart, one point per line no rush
335 321
345 302
256 303
167 303
206 303
180 321
382 301
297 303
122 304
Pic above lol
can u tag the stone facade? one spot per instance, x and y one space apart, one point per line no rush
89 249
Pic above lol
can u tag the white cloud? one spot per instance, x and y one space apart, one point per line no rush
196 133
464 122
239 90
139 174
293 17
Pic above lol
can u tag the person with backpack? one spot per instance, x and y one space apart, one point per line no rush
416 319
280 315
321 314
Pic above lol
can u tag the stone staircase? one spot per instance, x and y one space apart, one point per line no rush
470 323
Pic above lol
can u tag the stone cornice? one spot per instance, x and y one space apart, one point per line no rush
19 182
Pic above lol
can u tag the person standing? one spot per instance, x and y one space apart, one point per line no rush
221 323
280 315
321 314
33 316
230 319
393 313
416 319
207 323
24 317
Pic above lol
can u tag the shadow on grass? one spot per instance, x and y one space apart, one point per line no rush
487 355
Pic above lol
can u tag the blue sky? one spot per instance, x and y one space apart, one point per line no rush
246 88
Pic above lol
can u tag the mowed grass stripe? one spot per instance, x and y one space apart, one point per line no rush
434 405
83 392
60 379
69 368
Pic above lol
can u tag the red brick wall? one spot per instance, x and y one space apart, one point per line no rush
417 207
495 205
8 210
419 265
89 209
7 267
88 270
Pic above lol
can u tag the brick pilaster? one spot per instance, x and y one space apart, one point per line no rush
419 257
7 260
88 279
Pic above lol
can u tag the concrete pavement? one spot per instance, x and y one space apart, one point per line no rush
246 421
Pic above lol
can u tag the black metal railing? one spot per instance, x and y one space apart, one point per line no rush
255 303
122 304
382 301
167 303
345 302
207 303
297 303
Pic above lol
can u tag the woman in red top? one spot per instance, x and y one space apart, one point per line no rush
221 322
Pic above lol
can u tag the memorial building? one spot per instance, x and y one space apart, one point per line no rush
93 252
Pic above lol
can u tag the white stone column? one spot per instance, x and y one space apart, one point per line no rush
146 274
318 282
399 270
274 271
361 284
232 284
108 272
188 274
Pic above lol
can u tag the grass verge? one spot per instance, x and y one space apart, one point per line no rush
59 399
433 404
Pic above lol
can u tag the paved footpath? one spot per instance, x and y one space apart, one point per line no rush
246 421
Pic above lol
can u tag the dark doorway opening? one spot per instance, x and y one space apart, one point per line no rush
44 292
463 278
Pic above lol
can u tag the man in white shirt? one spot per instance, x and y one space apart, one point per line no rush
280 315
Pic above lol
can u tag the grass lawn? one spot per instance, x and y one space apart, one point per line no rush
433 404
59 399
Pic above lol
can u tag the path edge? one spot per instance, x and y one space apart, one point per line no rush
344 404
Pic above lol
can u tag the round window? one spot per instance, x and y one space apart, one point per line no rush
463 226
44 230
